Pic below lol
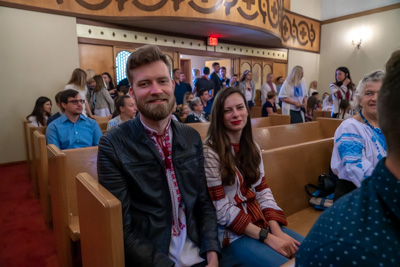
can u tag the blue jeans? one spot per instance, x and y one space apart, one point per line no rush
250 252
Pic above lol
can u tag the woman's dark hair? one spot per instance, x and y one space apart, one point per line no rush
311 102
248 158
100 83
346 71
110 85
38 110
277 79
120 102
344 104
244 75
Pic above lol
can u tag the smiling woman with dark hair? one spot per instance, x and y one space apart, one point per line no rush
250 222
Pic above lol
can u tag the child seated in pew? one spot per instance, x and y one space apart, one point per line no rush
344 108
250 223
126 108
312 104
41 112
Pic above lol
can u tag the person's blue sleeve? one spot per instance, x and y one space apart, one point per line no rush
96 134
52 136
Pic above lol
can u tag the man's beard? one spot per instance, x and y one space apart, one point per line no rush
158 112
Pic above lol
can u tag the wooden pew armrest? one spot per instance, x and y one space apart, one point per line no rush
73 227
302 221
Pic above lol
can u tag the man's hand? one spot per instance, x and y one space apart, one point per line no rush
212 259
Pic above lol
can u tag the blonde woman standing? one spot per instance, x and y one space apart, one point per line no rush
77 82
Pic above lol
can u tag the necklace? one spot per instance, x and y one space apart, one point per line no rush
367 123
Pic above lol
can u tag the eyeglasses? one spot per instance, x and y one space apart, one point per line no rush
75 102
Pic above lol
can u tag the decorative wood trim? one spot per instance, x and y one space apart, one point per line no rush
186 51
267 16
361 14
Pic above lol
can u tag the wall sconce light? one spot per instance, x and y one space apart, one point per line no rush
357 43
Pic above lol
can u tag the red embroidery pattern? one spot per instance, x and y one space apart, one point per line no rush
216 192
277 215
163 145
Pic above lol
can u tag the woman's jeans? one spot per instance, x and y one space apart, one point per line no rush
251 252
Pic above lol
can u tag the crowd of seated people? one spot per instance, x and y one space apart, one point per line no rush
241 224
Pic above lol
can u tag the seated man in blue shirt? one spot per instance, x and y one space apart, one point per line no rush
205 100
363 227
72 129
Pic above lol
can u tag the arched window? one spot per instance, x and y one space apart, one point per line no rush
121 60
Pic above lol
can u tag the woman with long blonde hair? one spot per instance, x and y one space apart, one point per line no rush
77 82
293 95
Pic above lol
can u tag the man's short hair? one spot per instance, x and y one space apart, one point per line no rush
173 72
58 97
215 64
201 92
314 93
235 75
67 94
223 68
142 56
388 105
206 70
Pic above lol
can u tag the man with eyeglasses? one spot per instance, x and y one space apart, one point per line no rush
72 129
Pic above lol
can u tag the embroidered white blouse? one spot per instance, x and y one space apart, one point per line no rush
234 204
357 150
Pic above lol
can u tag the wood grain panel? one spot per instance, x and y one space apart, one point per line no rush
279 69
97 57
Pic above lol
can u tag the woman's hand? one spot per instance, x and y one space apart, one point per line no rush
288 238
346 81
285 247
297 104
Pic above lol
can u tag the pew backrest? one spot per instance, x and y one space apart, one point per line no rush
321 113
255 112
64 165
279 119
102 122
33 154
329 125
100 222
42 174
288 169
286 135
261 122
201 128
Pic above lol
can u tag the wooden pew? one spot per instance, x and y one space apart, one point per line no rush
33 159
321 113
26 141
102 122
288 169
329 125
255 112
261 122
100 222
63 167
291 134
279 119
202 127
271 120
39 140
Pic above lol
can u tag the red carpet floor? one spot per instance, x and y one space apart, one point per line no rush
24 238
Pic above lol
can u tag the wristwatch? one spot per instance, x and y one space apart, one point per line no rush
262 235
